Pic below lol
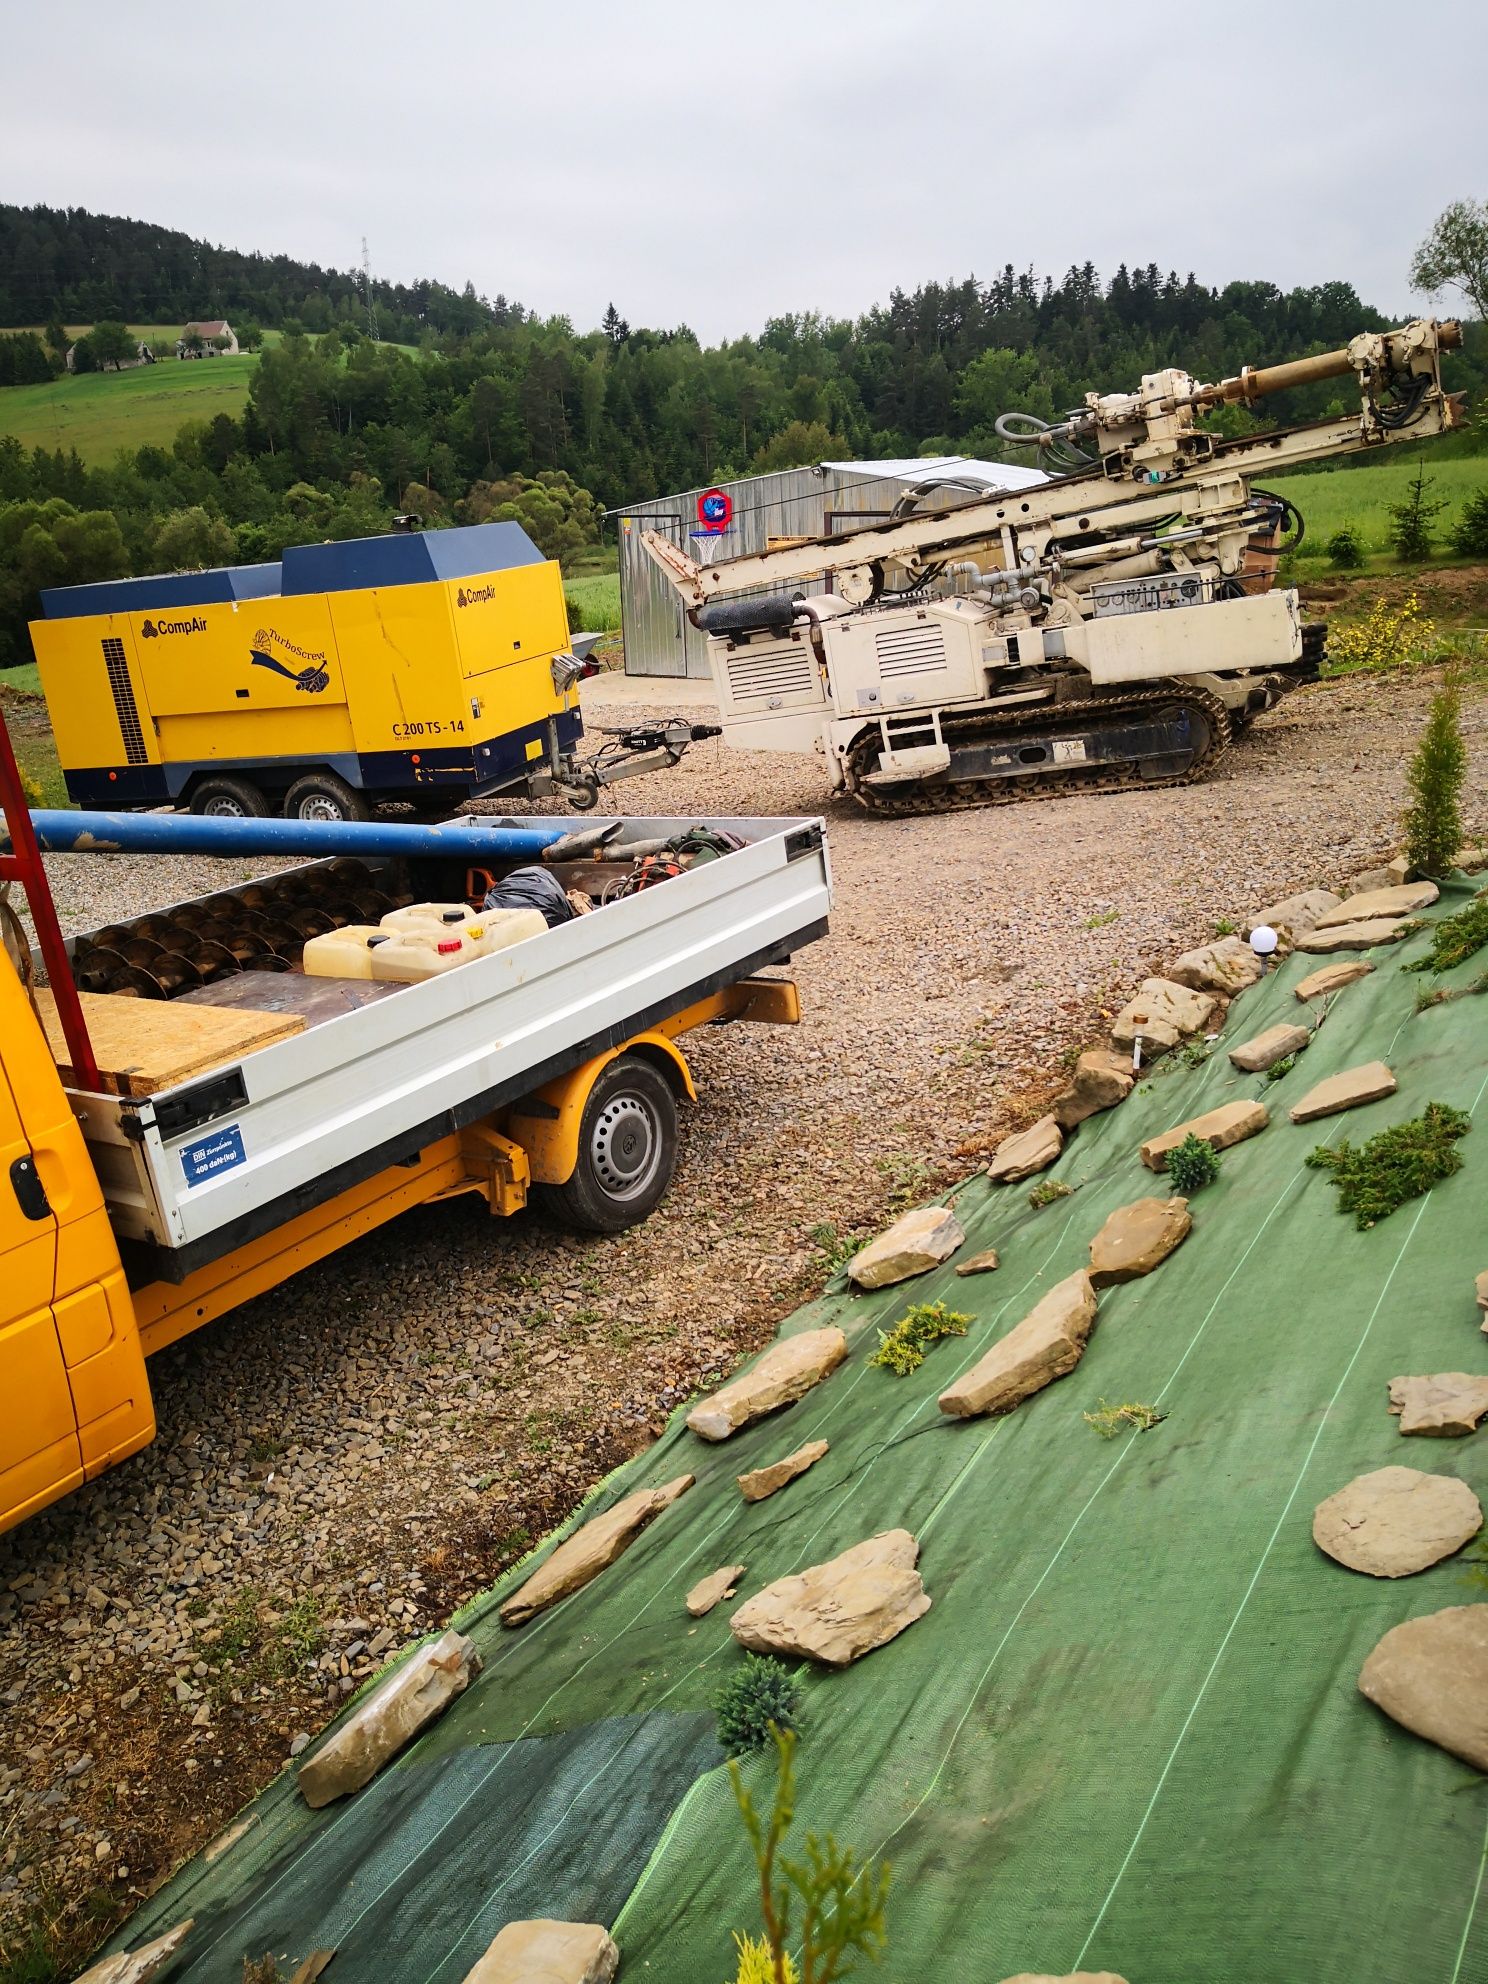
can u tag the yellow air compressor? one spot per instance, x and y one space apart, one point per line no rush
421 667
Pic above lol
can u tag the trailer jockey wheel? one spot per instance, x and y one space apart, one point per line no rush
323 796
627 1151
229 799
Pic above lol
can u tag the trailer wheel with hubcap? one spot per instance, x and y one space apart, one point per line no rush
229 799
323 796
627 1151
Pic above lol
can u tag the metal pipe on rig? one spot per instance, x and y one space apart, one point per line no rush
64 832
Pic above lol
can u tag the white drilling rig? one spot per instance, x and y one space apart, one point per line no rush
1112 626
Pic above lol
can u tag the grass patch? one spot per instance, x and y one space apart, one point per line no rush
1456 938
837 1249
1442 995
1361 498
593 602
99 413
1109 1420
1376 1178
1102 918
902 1349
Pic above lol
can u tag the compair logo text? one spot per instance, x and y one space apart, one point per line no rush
152 629
474 595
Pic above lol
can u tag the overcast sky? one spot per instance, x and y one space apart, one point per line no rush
720 161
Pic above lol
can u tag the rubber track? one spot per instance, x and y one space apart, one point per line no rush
964 794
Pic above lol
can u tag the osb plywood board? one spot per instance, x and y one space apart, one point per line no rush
144 1045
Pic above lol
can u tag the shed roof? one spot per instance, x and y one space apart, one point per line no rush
927 468
212 327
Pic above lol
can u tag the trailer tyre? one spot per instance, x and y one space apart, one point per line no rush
323 796
627 1151
229 799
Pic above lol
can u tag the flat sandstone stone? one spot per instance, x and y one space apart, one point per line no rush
1102 1078
1253 1057
416 1694
921 1240
136 1966
1031 1150
983 1263
1396 1521
1162 1013
1332 978
1445 1404
1431 1676
1227 966
1403 900
1137 1238
1366 1083
707 1592
590 1550
763 1482
1354 936
1047 1344
1230 1124
548 1953
1480 1288
786 1372
1295 915
838 1611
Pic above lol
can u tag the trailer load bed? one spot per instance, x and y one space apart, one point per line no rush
197 1169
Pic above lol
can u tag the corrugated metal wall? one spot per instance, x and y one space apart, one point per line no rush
797 502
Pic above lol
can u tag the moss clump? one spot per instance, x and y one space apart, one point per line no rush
760 1697
1108 1420
1192 1165
902 1349
1375 1178
1046 1191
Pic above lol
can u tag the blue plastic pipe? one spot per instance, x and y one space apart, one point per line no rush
199 833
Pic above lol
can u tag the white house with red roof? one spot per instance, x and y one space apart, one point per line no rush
215 337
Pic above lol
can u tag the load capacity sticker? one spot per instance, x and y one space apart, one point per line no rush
218 1152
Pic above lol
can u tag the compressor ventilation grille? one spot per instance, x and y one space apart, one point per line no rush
124 704
918 650
776 672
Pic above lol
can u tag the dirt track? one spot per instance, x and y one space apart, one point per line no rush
342 1461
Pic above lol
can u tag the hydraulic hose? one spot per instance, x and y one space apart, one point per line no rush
60 832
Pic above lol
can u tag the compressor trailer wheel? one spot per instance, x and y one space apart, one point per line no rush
627 1151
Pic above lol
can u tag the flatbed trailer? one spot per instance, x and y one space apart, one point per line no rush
551 1069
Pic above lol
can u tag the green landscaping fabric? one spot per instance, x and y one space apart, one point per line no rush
1127 1736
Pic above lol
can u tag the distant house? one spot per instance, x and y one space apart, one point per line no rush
143 355
216 337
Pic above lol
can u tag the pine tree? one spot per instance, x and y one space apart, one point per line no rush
1433 821
1411 521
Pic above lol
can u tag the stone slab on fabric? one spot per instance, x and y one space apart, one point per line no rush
1047 1344
786 1372
1472 857
762 1482
1163 1013
1367 1083
837 1611
1445 1404
1137 1238
983 1263
590 1550
1355 936
1431 1676
919 1241
543 1952
1396 1521
136 1966
1253 1057
1031 1150
1295 914
1480 1288
413 1696
1102 1078
1332 978
1402 900
707 1592
1230 1124
1226 966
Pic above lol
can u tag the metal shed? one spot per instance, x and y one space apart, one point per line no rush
822 500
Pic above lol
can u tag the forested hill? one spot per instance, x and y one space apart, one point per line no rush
68 266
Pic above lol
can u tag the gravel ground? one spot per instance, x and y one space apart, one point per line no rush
341 1462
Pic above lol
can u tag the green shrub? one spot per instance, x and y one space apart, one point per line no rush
1455 939
1470 532
1387 637
902 1349
1411 521
1433 819
761 1696
1192 1165
1345 549
1377 1177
